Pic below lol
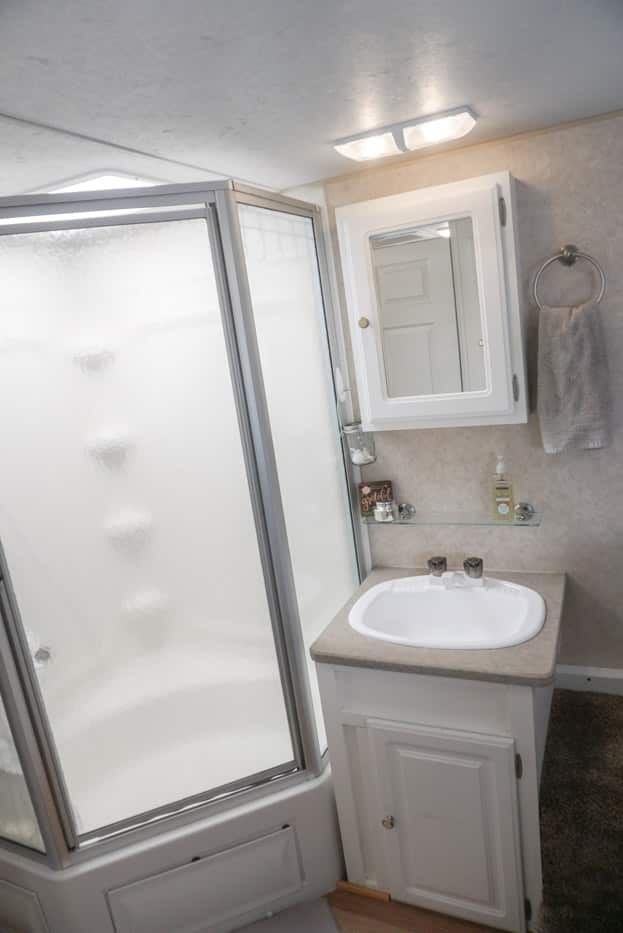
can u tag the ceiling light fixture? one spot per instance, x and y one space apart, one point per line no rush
404 137
438 129
370 146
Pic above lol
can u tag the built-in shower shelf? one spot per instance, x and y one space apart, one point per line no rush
459 518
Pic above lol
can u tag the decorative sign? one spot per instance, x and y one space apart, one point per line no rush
371 493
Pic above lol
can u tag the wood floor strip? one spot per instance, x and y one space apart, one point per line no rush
362 891
347 907
357 923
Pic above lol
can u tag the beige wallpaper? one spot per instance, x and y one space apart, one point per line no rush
569 189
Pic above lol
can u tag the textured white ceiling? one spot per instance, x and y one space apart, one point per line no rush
258 89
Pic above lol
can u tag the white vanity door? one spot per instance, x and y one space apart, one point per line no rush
448 820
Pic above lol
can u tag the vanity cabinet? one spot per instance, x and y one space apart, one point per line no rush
436 781
450 837
437 756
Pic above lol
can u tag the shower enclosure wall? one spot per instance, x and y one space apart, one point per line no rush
176 530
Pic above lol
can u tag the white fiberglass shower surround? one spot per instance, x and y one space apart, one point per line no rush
176 529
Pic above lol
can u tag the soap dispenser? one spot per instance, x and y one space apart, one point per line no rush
503 504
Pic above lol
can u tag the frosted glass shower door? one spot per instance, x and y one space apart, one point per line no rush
126 518
18 822
284 280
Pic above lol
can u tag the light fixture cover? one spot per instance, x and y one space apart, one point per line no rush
402 137
438 129
374 146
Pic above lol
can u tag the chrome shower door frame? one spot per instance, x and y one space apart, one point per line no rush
217 203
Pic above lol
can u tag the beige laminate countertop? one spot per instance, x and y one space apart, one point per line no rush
532 662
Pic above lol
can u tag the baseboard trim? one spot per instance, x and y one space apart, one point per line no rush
593 679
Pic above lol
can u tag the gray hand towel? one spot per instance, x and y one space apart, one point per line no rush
573 387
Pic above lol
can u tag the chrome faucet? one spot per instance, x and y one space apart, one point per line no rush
473 567
437 566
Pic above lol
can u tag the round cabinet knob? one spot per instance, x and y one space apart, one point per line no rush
388 822
364 322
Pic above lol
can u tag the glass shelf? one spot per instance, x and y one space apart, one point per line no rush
459 518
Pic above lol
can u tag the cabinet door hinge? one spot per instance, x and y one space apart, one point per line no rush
528 909
518 766
515 387
502 210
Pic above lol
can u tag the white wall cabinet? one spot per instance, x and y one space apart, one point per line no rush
432 295
436 781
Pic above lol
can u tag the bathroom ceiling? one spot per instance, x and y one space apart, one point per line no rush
259 89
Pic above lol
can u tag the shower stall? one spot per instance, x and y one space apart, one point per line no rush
176 529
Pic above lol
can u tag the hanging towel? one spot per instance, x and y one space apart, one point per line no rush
573 388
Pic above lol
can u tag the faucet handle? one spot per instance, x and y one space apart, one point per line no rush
474 567
437 565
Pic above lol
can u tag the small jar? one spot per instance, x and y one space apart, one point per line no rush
360 444
385 511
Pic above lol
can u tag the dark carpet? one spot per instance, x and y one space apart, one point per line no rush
582 815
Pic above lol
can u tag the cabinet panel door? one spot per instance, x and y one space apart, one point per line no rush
454 843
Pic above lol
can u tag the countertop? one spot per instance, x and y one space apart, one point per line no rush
531 663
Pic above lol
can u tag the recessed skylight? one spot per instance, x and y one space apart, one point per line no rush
105 181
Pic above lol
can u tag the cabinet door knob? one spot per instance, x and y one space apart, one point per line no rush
388 822
364 322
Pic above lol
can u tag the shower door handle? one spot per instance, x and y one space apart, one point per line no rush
42 656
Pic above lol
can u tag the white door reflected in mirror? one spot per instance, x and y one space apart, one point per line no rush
428 309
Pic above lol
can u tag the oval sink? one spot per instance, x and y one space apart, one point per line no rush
451 613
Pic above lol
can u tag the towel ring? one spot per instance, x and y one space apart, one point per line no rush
567 255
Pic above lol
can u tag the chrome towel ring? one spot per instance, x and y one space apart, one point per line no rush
567 256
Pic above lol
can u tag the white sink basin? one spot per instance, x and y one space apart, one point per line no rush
452 613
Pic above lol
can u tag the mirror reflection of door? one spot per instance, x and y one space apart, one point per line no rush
429 311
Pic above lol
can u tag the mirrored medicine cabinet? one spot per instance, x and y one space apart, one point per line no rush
433 305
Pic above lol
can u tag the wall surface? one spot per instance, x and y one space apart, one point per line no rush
569 189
